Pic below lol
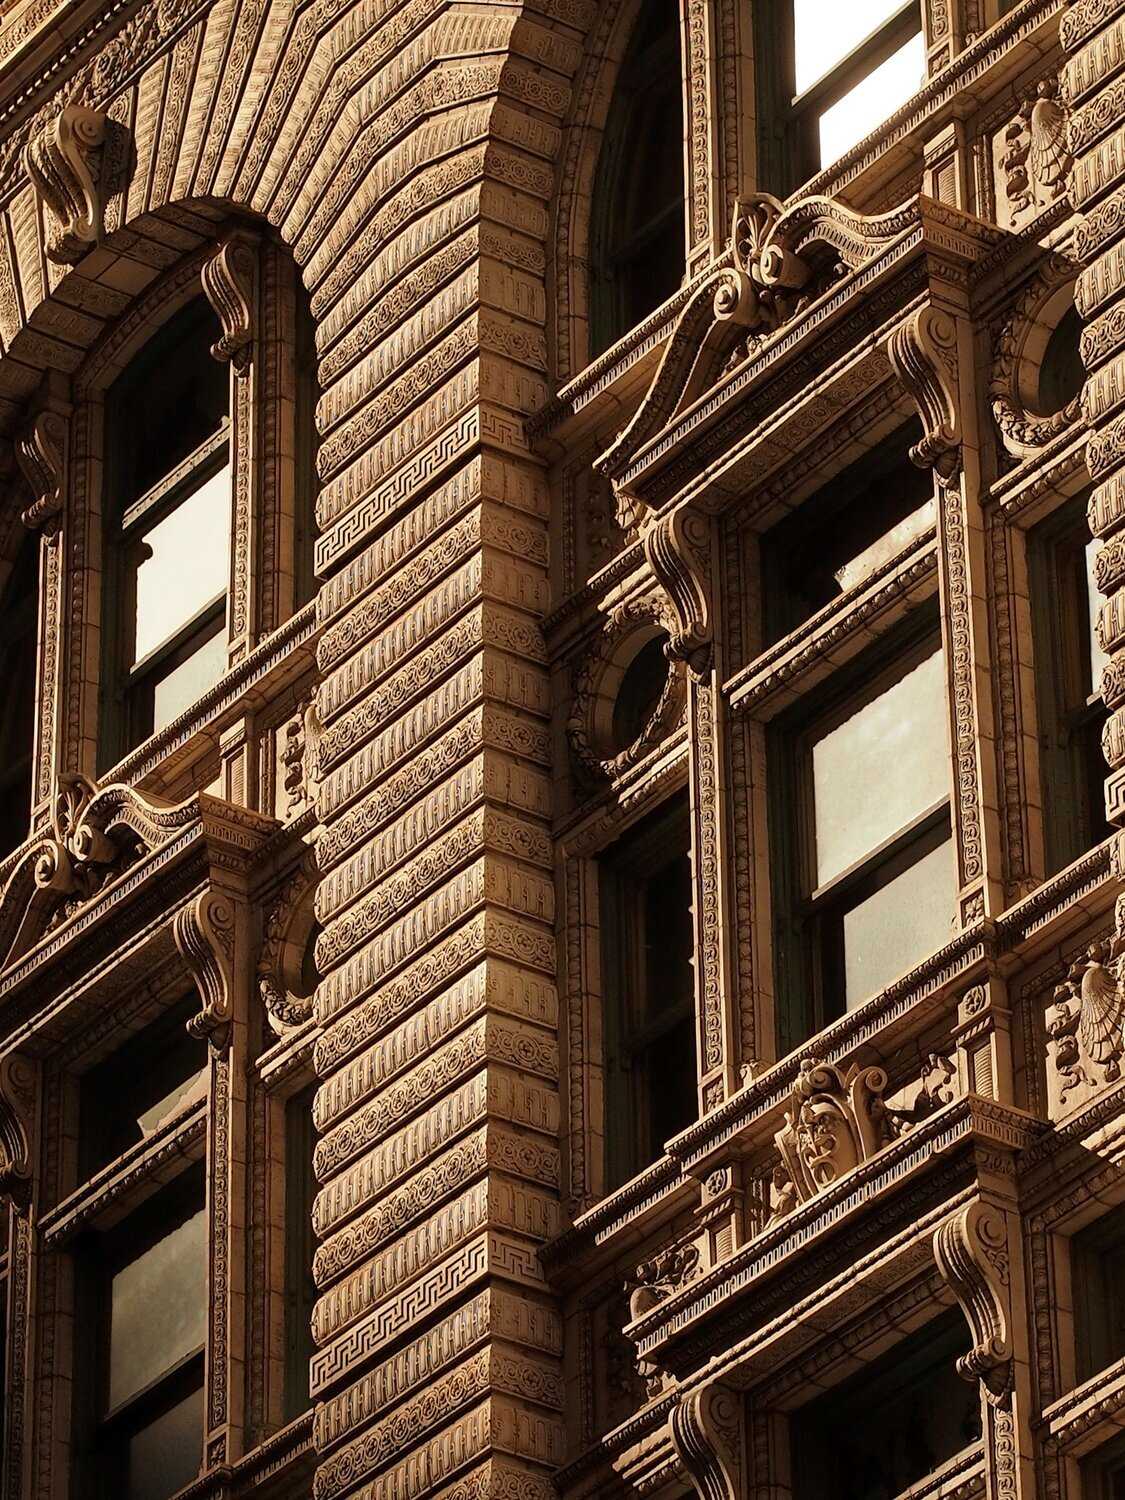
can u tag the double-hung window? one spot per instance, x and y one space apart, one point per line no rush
844 68
168 563
864 862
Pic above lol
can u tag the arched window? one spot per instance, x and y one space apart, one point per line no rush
18 619
168 528
637 219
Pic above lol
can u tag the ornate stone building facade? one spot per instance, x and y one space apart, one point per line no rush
562 621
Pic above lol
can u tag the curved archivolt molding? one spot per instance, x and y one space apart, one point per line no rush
779 261
290 928
1018 359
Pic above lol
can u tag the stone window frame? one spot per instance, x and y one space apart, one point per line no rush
253 284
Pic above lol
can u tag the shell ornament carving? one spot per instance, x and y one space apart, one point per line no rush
1035 160
1085 1025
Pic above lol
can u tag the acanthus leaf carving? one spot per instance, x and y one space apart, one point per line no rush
834 1121
971 1251
204 933
1084 1028
64 162
1025 432
708 1434
677 545
923 354
229 282
40 453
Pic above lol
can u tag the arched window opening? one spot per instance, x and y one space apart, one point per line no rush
168 519
1061 375
18 620
637 222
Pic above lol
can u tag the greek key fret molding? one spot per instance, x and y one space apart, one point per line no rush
64 162
709 1435
230 280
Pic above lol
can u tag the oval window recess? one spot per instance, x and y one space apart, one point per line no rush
1061 374
642 685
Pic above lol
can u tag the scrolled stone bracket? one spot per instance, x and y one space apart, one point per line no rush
229 281
708 1434
18 1103
204 933
923 354
971 1251
41 456
677 546
64 162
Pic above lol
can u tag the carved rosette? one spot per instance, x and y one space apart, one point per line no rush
64 162
971 1251
229 282
204 933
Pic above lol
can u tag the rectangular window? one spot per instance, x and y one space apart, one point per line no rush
1069 662
892 1423
153 1077
860 836
844 535
143 1302
844 69
300 1246
649 987
1103 1475
1097 1275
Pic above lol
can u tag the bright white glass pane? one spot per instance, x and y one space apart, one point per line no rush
158 1309
186 684
879 769
189 564
825 31
178 1098
873 99
1098 658
899 926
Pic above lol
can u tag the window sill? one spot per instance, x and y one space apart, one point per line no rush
1089 1415
281 1464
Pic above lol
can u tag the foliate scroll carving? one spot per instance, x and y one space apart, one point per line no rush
923 354
289 928
1084 1028
40 454
708 1434
971 1250
651 1283
64 162
228 280
204 933
678 548
1015 373
834 1121
1034 159
17 1126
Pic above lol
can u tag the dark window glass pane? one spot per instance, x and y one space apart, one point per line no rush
637 218
173 395
891 1424
157 1307
154 1075
637 697
1098 1284
1062 374
18 627
164 1455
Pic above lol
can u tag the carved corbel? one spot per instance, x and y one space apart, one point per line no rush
17 1126
708 1434
678 548
923 354
64 162
40 455
971 1250
204 935
228 280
